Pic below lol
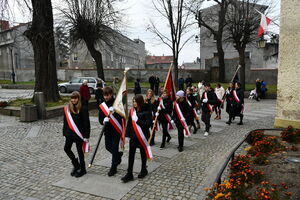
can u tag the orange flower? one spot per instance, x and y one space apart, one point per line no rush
219 195
206 189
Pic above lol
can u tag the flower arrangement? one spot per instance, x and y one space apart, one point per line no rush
291 135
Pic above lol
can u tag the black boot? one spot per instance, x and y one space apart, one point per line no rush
80 172
120 158
169 138
241 119
143 173
112 171
76 166
229 121
180 149
162 145
195 130
128 177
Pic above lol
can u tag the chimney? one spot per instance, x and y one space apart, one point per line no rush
4 25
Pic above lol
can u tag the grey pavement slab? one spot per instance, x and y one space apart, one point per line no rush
151 165
33 132
103 186
256 114
267 112
215 129
167 152
250 117
94 119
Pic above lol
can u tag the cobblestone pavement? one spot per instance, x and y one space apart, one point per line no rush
32 158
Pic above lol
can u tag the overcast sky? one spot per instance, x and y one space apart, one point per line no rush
136 18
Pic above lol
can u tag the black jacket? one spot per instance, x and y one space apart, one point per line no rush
186 112
109 129
153 106
212 100
144 121
99 96
240 94
168 104
82 122
192 100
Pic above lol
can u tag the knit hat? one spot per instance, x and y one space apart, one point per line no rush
180 93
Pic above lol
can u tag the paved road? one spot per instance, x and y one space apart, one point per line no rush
34 166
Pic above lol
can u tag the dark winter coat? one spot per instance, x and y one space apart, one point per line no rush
168 104
82 122
212 100
186 112
144 121
109 128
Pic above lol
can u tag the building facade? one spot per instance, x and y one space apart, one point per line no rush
260 58
123 53
15 50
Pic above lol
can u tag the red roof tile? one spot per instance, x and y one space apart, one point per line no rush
158 59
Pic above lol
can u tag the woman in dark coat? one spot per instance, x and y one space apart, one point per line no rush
79 115
140 116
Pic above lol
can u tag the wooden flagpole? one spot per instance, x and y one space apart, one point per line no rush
155 121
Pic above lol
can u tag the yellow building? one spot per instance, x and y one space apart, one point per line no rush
288 94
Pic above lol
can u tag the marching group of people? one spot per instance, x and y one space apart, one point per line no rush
147 115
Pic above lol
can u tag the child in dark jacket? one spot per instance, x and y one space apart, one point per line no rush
137 130
76 116
182 116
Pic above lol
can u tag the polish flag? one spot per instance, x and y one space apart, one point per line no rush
264 23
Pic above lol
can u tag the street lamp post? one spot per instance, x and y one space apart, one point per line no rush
197 38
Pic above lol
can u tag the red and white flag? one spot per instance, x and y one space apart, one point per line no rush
169 85
264 23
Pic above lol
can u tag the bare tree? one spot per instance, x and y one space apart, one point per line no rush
62 44
92 22
242 25
178 22
40 33
214 20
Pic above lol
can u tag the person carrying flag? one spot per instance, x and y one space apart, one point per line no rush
182 117
76 129
153 103
138 124
238 96
165 108
112 129
209 99
191 100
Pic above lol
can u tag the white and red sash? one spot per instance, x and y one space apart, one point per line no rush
167 116
186 130
140 135
236 98
73 127
112 120
194 110
210 107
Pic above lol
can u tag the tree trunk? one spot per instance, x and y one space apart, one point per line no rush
175 64
97 57
221 61
242 62
41 37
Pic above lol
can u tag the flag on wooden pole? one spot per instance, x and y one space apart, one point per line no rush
169 84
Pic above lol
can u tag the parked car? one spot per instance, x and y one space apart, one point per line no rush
75 83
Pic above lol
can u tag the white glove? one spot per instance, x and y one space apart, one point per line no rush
85 140
227 92
111 109
106 119
172 121
204 100
153 122
183 119
159 108
156 114
135 118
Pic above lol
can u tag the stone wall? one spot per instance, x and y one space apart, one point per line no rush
288 96
268 75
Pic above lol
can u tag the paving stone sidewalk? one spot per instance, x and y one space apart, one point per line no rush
33 164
